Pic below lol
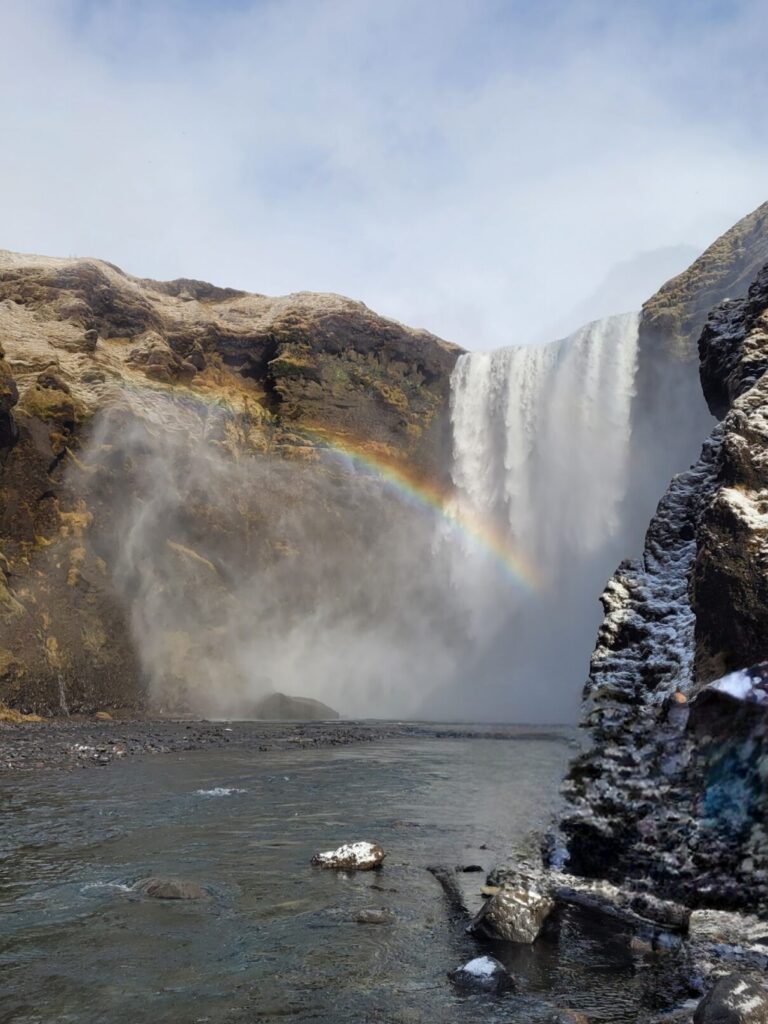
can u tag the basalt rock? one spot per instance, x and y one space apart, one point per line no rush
483 974
734 1000
669 414
672 791
357 856
514 914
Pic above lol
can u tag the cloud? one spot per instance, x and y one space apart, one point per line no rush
476 168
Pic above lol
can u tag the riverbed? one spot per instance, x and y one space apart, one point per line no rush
279 939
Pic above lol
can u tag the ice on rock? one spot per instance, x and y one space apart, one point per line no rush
357 856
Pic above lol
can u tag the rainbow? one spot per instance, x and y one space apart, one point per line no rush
402 480
425 494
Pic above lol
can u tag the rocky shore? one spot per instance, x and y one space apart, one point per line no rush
70 743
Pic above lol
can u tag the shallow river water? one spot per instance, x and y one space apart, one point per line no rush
279 939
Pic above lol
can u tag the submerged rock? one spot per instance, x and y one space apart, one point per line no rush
515 914
372 916
171 889
735 999
358 856
483 974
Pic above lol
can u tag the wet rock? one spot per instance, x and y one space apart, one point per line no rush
358 856
514 914
735 999
172 889
483 974
371 916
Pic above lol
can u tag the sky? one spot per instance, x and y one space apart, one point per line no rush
480 168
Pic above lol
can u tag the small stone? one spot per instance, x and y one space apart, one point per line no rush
565 1016
103 716
483 974
171 889
640 945
468 868
358 856
375 917
735 999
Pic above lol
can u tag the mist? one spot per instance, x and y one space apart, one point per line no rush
251 575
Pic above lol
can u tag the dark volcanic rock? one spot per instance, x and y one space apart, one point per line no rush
356 856
515 914
669 415
670 791
483 974
734 1000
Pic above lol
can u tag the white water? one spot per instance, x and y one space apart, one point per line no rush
541 443
541 438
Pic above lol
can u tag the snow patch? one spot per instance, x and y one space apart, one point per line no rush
481 967
219 791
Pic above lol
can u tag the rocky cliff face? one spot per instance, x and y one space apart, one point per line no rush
245 374
669 416
672 791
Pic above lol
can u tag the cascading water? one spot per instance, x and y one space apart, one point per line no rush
541 442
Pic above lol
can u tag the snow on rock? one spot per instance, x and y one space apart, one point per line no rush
485 974
515 914
670 793
735 999
357 856
747 684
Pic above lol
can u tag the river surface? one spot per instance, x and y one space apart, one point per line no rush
278 939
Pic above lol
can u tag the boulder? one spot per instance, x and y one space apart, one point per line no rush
280 707
171 889
358 856
483 974
514 914
735 999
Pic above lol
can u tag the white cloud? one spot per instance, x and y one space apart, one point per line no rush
475 168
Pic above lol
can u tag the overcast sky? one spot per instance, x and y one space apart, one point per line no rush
476 167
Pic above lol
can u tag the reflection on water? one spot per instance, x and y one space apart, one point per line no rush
279 939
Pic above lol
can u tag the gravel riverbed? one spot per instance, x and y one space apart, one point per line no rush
71 743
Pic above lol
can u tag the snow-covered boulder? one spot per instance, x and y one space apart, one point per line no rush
483 974
735 999
358 856
515 913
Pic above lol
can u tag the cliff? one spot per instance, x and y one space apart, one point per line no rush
190 366
671 791
669 415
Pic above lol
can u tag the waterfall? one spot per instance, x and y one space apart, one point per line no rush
541 442
541 438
